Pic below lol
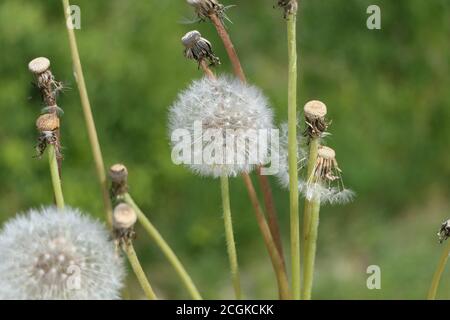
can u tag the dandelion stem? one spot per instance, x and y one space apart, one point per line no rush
229 47
231 245
269 232
139 272
292 155
310 225
263 180
56 180
89 119
167 251
310 253
277 261
438 273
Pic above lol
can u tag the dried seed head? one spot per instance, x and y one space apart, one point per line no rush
325 182
47 122
39 65
326 153
124 216
289 6
119 179
204 8
315 109
444 231
198 48
315 112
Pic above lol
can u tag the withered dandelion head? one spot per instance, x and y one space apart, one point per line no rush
444 231
198 48
315 112
118 173
39 65
124 219
289 6
325 183
204 8
58 254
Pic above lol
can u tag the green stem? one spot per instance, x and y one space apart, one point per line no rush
311 245
231 246
438 273
56 180
88 117
310 224
139 272
292 156
167 251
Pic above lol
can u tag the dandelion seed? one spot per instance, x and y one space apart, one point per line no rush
325 183
235 110
49 254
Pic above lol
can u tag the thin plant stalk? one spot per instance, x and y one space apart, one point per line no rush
139 272
272 217
56 180
229 47
277 261
89 119
231 245
438 273
292 156
263 180
275 251
165 248
310 225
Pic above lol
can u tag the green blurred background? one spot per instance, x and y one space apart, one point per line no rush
387 94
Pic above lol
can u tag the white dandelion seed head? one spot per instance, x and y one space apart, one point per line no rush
302 156
53 255
229 106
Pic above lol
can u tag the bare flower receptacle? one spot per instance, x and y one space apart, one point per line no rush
118 174
39 65
124 216
47 122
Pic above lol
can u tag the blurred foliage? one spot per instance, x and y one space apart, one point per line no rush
387 94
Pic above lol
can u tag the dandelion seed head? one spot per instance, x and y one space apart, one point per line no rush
52 254
231 107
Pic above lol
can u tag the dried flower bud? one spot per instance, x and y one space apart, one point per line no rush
39 65
204 8
124 216
47 122
289 6
119 179
315 112
198 48
444 231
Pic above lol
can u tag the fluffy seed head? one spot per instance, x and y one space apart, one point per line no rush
47 122
39 65
58 254
230 107
124 216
